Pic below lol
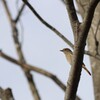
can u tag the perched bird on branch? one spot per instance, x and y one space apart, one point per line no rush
69 54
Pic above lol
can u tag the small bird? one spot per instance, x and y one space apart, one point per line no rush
69 54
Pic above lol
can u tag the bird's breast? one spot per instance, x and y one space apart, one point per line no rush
69 58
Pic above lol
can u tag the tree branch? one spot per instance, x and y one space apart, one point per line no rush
36 69
20 53
73 17
19 13
47 24
92 55
63 1
55 30
76 68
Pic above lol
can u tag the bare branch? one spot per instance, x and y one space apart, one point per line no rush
54 29
19 13
63 2
15 32
73 17
47 24
77 61
93 55
20 53
36 69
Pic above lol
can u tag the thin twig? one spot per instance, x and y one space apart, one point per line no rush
19 13
20 53
73 18
55 30
47 24
93 55
34 68
63 2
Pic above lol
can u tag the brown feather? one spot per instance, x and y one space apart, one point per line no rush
69 54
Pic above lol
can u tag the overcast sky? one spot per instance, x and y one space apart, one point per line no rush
41 47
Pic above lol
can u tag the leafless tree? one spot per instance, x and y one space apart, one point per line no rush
81 30
93 41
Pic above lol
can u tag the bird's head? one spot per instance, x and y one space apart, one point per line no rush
66 50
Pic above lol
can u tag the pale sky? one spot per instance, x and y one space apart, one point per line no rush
41 47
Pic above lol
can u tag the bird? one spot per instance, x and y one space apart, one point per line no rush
69 54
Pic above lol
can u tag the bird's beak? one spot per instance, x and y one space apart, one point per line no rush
61 50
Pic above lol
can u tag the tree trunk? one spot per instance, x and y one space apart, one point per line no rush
93 44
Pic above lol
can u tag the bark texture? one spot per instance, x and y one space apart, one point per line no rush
93 44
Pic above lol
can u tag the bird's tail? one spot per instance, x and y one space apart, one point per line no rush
86 69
